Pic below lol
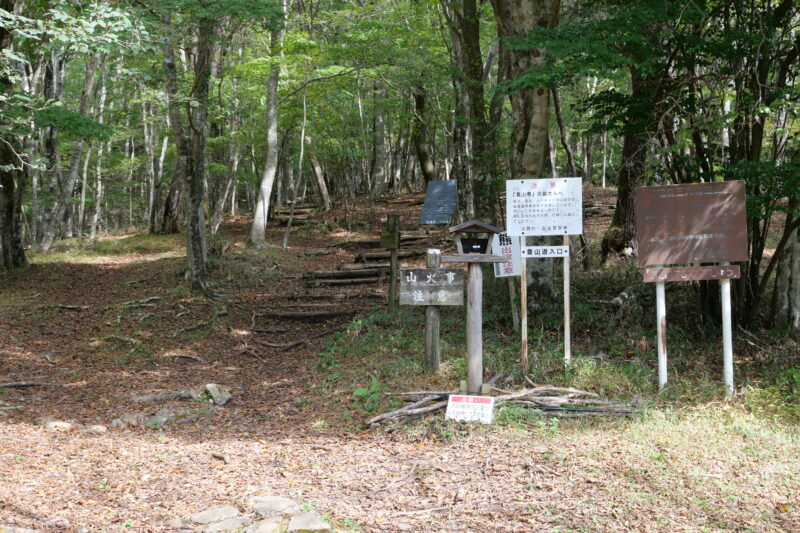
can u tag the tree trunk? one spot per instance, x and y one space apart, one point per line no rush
622 232
320 176
259 227
68 186
531 111
420 134
378 166
786 300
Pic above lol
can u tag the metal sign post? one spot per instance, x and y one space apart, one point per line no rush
695 223
540 208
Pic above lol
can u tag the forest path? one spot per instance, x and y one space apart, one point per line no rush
105 326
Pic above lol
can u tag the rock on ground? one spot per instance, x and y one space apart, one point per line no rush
308 522
273 524
215 514
272 505
218 394
231 524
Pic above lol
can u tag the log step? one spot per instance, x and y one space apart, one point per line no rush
346 296
359 281
340 274
307 315
377 256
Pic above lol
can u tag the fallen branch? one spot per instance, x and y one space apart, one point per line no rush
24 384
126 340
396 483
143 302
186 356
190 328
222 457
73 307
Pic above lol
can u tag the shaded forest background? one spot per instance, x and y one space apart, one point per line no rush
168 115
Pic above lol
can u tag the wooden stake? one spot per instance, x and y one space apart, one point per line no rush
393 226
432 319
474 328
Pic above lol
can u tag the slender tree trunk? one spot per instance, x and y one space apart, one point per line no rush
573 171
378 166
84 185
319 173
259 227
68 186
420 134
786 299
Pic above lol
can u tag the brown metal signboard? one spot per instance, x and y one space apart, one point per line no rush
655 275
694 223
432 286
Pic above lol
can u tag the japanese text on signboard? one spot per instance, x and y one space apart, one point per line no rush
431 286
508 247
544 207
470 409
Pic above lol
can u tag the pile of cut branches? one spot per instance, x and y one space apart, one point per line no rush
552 401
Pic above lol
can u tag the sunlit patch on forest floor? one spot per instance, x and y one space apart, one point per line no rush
96 327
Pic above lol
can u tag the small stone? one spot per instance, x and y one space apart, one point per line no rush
62 523
215 514
130 419
57 425
273 524
10 529
219 395
175 523
231 524
272 505
404 527
160 419
96 428
308 522
461 494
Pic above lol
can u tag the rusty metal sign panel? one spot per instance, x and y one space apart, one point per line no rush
695 223
653 275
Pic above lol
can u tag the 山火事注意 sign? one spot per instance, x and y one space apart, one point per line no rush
508 247
470 409
432 286
544 207
694 223
441 201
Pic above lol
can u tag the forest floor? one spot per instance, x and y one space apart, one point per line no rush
95 328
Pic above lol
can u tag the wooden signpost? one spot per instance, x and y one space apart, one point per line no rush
432 287
541 208
390 239
474 245
695 223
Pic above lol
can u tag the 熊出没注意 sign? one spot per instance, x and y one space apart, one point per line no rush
432 286
694 223
509 248
544 207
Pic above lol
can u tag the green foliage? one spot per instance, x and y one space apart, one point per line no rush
72 123
368 397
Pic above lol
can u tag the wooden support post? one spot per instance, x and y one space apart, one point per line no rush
393 227
523 308
474 328
727 335
434 260
661 329
567 331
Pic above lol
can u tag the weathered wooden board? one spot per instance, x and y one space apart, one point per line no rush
432 286
441 201
694 223
653 275
390 240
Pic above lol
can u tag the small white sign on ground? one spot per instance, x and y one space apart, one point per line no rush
540 252
544 207
470 409
508 247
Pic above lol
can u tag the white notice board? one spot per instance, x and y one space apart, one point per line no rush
508 247
470 408
544 207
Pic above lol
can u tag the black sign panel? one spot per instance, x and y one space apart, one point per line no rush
441 201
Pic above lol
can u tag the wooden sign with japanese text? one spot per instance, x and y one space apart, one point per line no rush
432 286
544 207
694 223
